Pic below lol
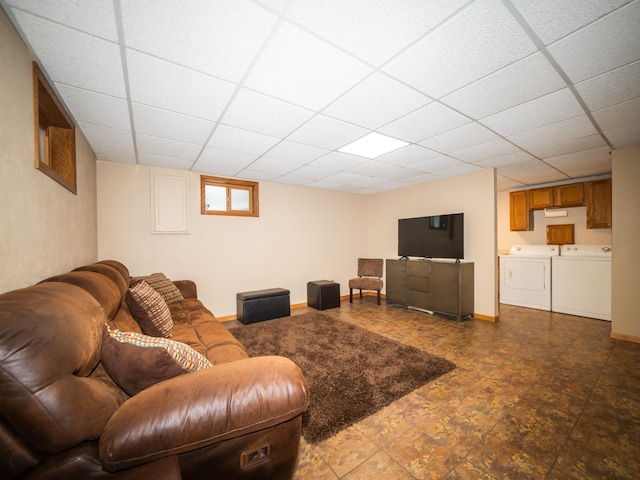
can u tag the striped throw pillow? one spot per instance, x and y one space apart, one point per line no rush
162 285
135 361
150 310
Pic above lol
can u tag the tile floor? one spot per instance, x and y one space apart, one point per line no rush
535 395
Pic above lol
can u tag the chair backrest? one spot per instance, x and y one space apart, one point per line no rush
370 267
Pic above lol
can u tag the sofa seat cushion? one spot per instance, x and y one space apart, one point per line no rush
135 361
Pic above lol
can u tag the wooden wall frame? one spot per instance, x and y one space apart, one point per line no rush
55 134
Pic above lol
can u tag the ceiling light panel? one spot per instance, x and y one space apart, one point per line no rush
239 140
507 87
219 38
97 19
374 31
552 108
373 145
304 70
424 123
326 132
162 84
478 41
573 15
376 101
609 43
174 126
611 88
91 107
94 65
263 114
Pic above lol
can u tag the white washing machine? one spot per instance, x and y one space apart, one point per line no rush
525 276
581 281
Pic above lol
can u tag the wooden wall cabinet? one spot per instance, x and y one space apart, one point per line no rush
520 217
571 195
561 234
436 286
599 204
540 198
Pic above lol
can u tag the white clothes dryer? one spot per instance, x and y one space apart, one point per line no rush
525 276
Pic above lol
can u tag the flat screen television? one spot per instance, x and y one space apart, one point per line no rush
436 236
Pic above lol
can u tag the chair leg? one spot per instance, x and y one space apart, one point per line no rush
360 293
378 297
351 295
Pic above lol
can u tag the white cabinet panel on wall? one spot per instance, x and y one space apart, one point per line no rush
169 200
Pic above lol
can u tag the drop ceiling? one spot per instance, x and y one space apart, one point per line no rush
270 90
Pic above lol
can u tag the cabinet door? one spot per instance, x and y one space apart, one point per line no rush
599 204
445 288
395 281
571 195
418 283
540 198
519 216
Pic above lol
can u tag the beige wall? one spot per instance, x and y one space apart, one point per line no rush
302 234
473 195
44 228
626 256
538 236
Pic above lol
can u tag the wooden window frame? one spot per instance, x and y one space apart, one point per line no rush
55 134
230 184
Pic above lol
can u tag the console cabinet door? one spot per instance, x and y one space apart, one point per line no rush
418 284
396 283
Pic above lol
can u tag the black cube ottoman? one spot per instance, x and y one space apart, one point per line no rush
323 294
262 305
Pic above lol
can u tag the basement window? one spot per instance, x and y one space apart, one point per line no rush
226 196
55 134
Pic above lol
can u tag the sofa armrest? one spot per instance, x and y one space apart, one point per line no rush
187 288
202 408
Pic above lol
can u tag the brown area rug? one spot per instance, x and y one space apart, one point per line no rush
351 372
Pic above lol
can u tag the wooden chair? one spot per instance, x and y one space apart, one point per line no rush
369 277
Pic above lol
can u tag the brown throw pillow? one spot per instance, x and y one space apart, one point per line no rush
162 285
135 361
150 310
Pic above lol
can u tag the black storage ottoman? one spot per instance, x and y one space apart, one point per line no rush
262 305
323 294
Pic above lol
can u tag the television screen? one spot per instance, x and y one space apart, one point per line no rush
436 236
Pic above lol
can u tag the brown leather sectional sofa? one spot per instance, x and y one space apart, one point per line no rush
62 416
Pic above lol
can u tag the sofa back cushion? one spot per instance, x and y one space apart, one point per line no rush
50 337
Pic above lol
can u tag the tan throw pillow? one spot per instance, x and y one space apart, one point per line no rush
135 361
150 310
162 285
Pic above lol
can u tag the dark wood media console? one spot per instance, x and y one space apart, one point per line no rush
438 286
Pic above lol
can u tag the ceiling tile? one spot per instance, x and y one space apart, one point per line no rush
167 148
259 113
611 88
256 176
532 173
114 155
476 154
507 87
626 136
326 132
239 140
178 89
552 108
437 163
107 137
220 38
424 123
174 126
581 164
337 161
478 41
95 18
552 20
609 43
409 155
311 173
468 135
576 127
93 65
568 146
380 170
222 162
277 5
514 158
163 161
90 107
304 70
295 152
457 170
504 183
271 165
376 101
373 31
618 116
